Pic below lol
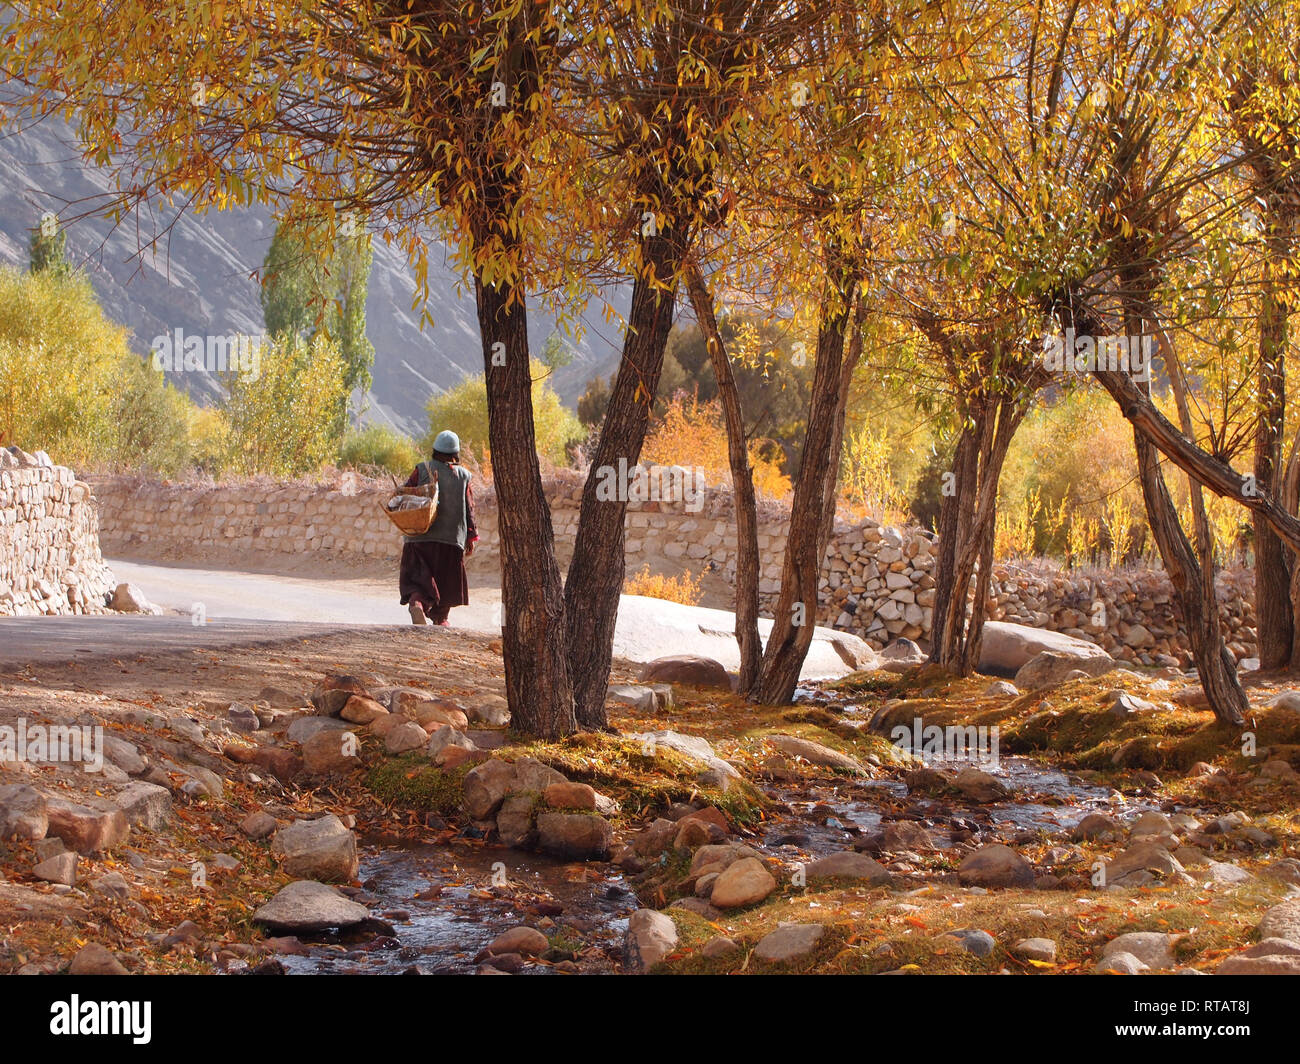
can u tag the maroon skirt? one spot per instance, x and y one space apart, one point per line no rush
433 575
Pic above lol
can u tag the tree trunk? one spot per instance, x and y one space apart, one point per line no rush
967 531
532 596
1275 622
812 509
595 579
742 485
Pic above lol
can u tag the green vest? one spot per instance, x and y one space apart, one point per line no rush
449 525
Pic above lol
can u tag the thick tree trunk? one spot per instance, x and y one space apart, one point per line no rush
742 484
532 596
812 508
595 579
1275 622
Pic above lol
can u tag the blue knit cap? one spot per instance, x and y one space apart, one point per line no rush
447 442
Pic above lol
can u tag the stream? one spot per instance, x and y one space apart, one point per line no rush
443 904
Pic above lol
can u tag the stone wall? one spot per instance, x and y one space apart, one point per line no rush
877 581
49 540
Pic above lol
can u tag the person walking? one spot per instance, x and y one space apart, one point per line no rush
431 578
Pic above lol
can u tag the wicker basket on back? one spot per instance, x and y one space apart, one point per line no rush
416 521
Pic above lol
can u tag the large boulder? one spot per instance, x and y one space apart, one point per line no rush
816 753
317 849
687 669
1052 666
97 825
308 906
1008 647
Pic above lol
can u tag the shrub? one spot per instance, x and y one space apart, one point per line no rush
684 589
377 447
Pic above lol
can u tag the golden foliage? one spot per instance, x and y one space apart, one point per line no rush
684 589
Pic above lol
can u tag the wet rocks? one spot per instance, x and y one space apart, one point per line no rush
651 936
743 882
305 905
789 942
515 820
578 836
982 787
523 940
321 849
22 813
688 669
995 865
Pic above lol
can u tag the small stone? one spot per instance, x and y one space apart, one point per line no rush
526 941
720 947
448 736
1120 963
651 936
1094 826
404 737
94 959
317 849
848 865
362 710
61 868
1036 949
259 825
972 940
788 942
1001 689
995 865
570 796
1153 948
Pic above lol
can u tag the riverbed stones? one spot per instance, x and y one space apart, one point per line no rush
690 669
743 882
816 754
524 940
981 787
1153 948
716 858
577 836
719 948
1119 963
995 865
330 752
146 805
848 865
22 813
1152 858
242 718
651 936
446 737
305 905
515 820
98 825
305 728
1273 964
789 942
1095 826
321 849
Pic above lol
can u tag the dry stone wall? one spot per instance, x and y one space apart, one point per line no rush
877 581
49 540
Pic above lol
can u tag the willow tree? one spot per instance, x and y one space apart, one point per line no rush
422 117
